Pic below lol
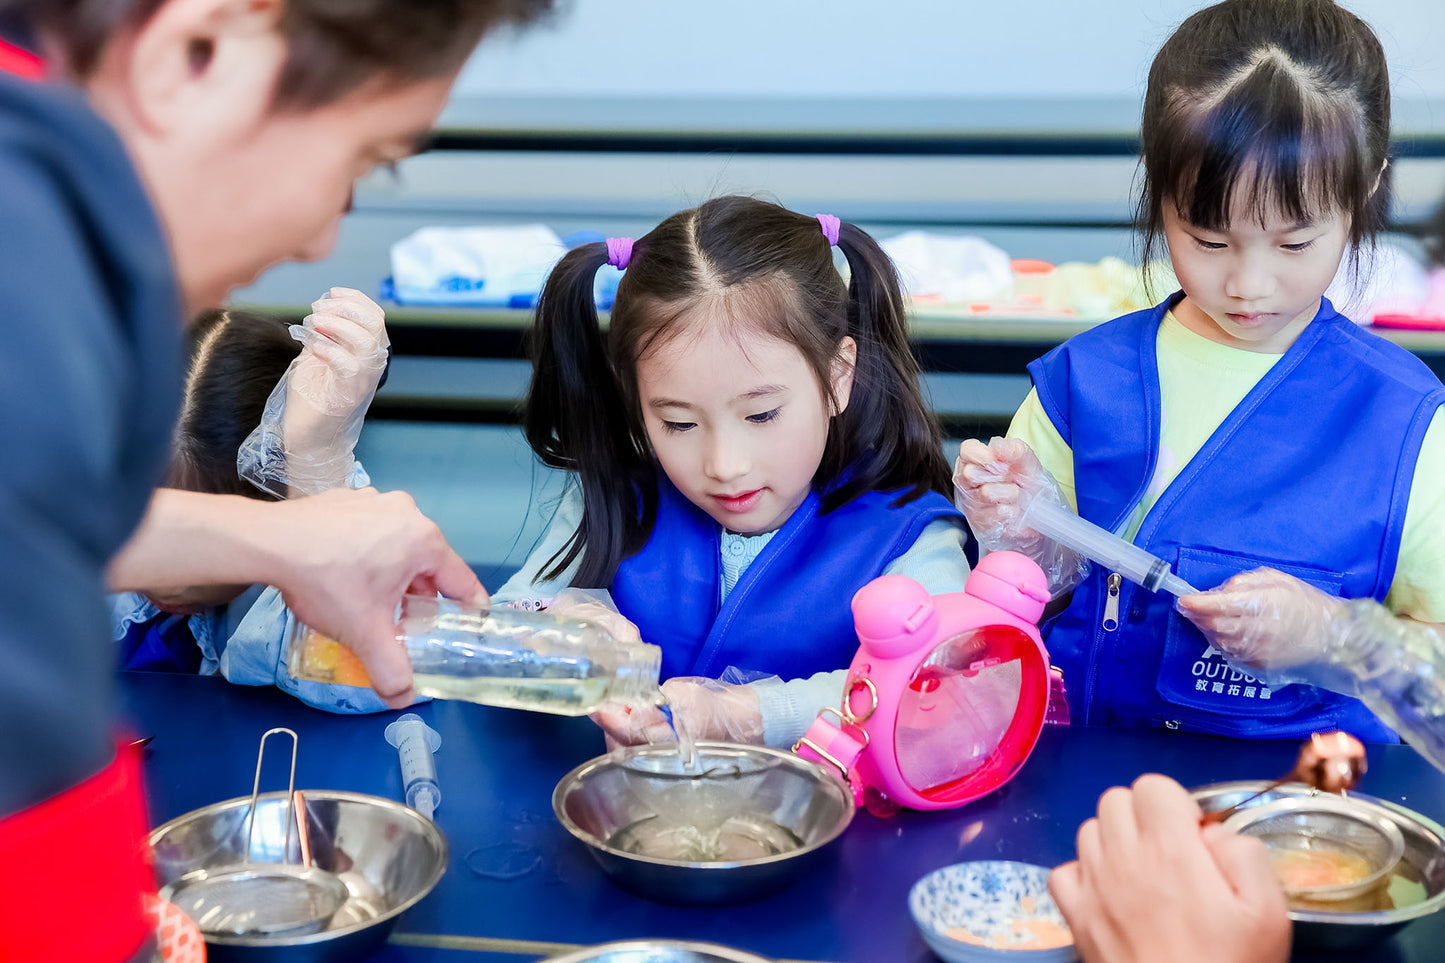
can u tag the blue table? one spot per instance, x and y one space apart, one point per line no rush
497 769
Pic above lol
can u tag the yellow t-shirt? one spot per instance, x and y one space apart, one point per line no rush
1200 383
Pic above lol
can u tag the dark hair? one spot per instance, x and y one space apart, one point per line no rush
768 269
333 46
1288 100
237 357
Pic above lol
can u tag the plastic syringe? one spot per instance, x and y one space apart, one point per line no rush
415 742
1104 547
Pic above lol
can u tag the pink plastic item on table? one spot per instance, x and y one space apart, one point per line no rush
947 694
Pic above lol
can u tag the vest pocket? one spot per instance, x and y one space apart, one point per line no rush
1194 676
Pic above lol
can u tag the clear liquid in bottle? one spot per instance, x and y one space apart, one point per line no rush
501 657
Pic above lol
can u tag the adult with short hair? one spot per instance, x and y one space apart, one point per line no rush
155 154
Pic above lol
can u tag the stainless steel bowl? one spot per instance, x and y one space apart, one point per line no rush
745 821
658 951
1358 838
1422 864
389 857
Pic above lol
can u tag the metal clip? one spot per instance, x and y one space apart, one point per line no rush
846 726
847 712
822 754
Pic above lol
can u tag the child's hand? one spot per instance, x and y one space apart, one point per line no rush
1266 620
313 418
344 351
994 483
704 709
632 725
1150 885
579 604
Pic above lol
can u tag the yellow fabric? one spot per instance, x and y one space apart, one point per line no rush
1200 383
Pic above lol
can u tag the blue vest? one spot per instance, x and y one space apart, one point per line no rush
1310 474
789 613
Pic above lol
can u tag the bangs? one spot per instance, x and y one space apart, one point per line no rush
1274 141
767 307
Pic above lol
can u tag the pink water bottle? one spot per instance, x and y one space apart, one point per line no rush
947 694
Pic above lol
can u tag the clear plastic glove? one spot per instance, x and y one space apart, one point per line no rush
704 709
993 484
313 417
595 606
1151 885
1266 621
1284 631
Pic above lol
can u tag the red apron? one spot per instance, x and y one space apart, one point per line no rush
82 850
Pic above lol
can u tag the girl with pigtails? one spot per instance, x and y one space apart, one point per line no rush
749 447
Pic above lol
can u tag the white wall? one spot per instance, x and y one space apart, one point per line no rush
1066 50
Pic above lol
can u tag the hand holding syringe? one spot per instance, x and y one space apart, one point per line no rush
415 742
1103 547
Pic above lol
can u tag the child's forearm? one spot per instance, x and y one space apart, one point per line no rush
789 708
317 449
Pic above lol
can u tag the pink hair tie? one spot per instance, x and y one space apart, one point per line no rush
830 225
619 251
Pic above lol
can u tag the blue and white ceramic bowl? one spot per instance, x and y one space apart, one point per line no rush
994 902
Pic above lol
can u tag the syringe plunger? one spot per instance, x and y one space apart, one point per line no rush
1104 547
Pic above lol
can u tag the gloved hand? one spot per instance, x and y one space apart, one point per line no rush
1285 631
1268 622
313 418
993 484
704 709
595 606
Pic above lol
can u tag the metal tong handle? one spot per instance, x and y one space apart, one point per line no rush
290 793
1220 815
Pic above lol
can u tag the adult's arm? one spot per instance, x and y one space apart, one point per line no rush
342 560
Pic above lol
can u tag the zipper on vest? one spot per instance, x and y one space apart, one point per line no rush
1111 604
1108 624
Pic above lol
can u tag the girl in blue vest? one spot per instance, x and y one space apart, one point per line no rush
1243 430
237 360
750 448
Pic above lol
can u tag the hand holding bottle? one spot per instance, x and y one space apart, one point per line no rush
704 709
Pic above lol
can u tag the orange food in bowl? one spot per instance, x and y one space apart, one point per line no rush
1024 933
1303 869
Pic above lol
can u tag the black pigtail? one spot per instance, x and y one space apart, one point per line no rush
891 439
576 419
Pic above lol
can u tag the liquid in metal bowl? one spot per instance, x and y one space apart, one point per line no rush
1415 889
744 821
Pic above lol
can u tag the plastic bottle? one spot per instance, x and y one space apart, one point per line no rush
500 657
